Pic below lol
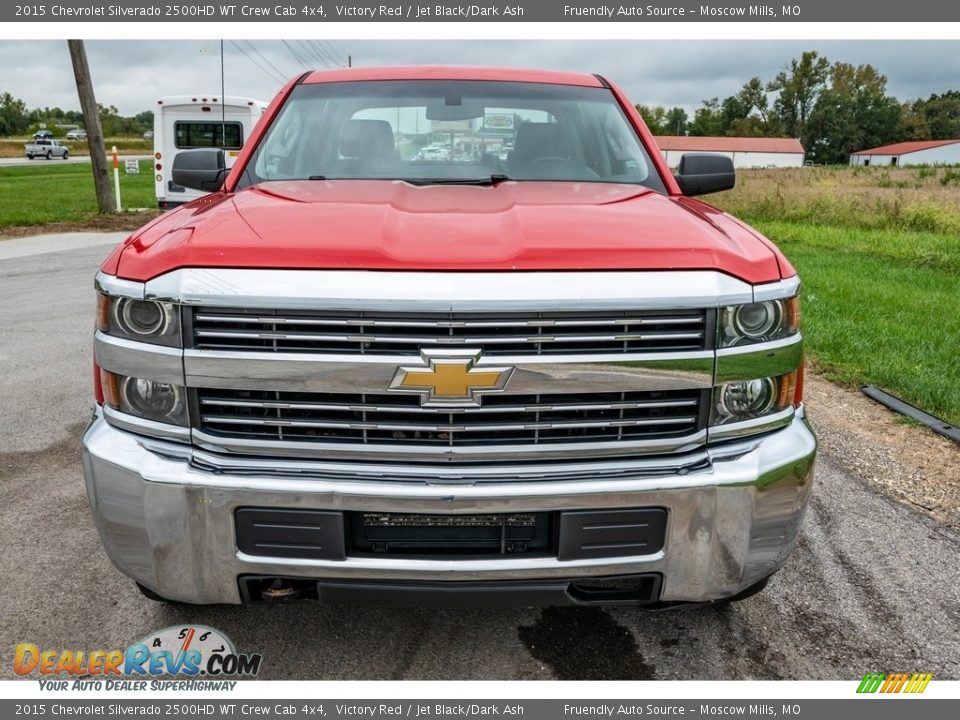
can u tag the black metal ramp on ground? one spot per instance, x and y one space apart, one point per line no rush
897 405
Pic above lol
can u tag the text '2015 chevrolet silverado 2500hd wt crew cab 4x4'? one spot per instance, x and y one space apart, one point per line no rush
523 367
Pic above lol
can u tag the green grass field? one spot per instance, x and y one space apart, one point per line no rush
883 313
878 251
51 191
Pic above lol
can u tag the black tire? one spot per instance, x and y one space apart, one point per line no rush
49 155
151 595
66 155
744 594
29 157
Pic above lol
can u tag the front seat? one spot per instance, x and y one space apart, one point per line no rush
367 145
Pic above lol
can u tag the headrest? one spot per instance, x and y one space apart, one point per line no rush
365 138
538 140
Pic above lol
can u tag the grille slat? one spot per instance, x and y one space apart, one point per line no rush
434 340
398 419
432 411
404 334
431 427
451 324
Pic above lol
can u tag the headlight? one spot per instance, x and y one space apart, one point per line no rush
143 320
758 322
148 399
750 399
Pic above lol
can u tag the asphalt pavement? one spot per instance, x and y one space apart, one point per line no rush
873 585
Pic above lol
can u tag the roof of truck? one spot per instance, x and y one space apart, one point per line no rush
453 72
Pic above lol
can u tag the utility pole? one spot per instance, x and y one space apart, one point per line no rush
91 121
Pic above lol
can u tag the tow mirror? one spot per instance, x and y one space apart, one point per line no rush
204 169
702 173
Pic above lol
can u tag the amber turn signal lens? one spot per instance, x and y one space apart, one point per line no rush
793 314
788 386
109 387
103 312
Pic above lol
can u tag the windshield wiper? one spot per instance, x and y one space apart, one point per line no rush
493 179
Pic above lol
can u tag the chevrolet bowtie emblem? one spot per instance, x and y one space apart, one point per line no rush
449 377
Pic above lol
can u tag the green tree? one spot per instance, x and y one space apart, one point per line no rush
798 87
913 122
708 120
14 118
941 115
853 113
144 120
761 120
676 121
654 117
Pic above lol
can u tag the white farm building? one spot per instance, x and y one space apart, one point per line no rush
746 152
915 152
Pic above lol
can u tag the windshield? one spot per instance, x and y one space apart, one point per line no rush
451 131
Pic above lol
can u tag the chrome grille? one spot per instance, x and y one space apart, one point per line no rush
399 420
384 333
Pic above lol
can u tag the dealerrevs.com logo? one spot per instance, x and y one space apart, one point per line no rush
190 650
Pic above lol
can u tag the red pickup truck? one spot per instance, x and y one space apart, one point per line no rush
451 335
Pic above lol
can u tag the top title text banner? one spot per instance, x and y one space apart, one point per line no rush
523 11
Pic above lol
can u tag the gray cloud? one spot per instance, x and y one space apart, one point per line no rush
132 74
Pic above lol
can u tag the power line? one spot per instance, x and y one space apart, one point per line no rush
266 60
296 57
312 53
248 57
320 50
326 53
336 51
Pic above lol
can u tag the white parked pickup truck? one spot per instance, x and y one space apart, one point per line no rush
47 148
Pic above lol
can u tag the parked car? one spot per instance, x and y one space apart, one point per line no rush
46 148
554 378
42 135
148 135
77 134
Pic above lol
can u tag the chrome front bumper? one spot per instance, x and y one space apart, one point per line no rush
169 524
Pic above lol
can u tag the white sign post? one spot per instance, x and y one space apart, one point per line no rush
116 175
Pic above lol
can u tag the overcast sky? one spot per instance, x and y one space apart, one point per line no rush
132 74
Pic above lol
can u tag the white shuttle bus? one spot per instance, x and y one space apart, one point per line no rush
184 122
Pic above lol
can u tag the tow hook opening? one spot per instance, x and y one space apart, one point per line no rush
273 590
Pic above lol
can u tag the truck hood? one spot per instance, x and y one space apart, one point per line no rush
393 225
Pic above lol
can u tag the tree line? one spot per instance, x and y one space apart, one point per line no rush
16 120
834 108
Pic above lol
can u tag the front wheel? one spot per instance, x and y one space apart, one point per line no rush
66 155
29 156
744 594
151 595
49 155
